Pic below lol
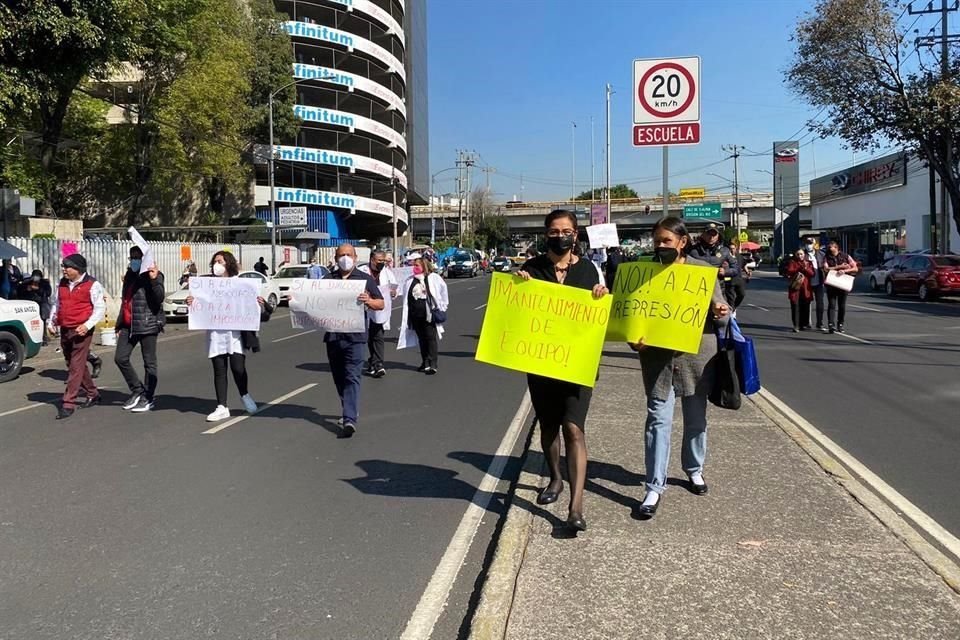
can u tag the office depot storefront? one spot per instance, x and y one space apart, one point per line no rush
878 206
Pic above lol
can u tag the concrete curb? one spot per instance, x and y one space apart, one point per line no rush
496 598
929 554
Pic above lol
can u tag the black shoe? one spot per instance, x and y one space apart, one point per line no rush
430 371
831 329
648 511
131 402
64 413
347 430
576 522
97 368
379 372
839 328
795 330
145 405
549 497
97 399
696 489
422 367
820 327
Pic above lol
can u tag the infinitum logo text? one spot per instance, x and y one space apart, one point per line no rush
317 32
319 114
312 72
305 196
299 154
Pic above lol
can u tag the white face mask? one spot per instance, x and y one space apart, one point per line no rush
345 263
219 269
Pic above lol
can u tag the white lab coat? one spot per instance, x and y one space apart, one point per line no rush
438 289
386 284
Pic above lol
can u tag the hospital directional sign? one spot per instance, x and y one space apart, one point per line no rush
711 210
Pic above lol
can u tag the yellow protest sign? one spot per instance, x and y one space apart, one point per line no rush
543 328
665 305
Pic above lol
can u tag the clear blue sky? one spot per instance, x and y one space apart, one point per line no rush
508 76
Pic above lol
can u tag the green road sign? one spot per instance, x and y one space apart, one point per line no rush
712 210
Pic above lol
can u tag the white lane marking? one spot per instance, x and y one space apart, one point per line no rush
296 335
434 598
283 398
852 337
480 307
757 307
857 306
470 288
26 408
930 526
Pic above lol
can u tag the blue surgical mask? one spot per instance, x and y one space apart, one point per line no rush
135 265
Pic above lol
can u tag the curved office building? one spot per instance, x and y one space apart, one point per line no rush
361 95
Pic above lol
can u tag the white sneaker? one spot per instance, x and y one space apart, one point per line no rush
221 413
250 404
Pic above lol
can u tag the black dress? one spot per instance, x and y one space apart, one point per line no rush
555 401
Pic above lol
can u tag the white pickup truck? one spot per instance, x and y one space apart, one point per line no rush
21 335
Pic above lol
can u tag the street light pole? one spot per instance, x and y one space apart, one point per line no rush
393 190
573 162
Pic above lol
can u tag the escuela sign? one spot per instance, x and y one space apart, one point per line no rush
664 305
224 304
543 328
327 305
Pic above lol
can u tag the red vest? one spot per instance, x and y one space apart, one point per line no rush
74 307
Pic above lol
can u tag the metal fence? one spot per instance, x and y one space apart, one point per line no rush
107 259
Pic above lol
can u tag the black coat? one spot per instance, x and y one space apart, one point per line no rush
41 295
148 294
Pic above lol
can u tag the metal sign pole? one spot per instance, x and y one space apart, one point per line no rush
666 182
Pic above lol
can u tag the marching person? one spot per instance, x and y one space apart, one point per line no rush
736 285
78 306
226 348
840 262
562 406
816 257
709 249
37 289
140 323
10 278
345 350
799 272
379 321
668 374
424 312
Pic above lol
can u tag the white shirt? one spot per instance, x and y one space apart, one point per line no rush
97 297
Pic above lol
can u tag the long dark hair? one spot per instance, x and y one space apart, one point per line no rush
229 261
674 225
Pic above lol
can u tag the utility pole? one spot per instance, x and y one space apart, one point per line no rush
573 162
944 39
393 190
734 151
468 162
593 172
609 211
459 165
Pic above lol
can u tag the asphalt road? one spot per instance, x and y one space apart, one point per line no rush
887 391
115 525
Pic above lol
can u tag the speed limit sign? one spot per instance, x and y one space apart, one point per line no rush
666 101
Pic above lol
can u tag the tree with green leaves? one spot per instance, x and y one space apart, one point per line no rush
875 87
617 192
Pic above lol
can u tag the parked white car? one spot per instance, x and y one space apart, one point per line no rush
175 304
878 277
286 275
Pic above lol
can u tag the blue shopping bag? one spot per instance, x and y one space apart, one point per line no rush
748 371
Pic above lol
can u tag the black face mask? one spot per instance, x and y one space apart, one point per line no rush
665 255
560 245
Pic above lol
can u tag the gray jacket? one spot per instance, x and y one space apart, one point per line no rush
714 256
147 294
687 373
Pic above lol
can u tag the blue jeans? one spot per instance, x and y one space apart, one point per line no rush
346 364
658 428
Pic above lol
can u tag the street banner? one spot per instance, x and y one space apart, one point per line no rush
328 305
148 259
224 304
603 236
543 328
665 305
598 214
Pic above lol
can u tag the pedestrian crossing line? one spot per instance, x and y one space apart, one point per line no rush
434 598
283 398
296 335
758 307
852 337
862 308
21 409
480 307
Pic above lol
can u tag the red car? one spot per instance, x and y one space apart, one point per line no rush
927 276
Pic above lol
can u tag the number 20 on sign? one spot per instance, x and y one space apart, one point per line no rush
666 101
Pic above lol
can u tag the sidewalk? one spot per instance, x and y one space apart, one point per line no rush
777 549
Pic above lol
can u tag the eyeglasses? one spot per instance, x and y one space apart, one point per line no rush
556 233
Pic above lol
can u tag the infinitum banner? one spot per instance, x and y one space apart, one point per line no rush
786 196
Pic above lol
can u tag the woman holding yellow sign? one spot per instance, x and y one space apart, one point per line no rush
558 404
667 374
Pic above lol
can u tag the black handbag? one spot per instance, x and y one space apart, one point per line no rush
726 383
438 315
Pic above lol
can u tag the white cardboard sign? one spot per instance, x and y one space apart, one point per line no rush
328 305
224 304
603 236
148 259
